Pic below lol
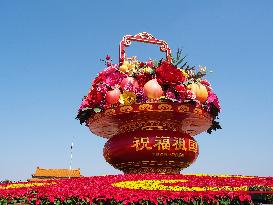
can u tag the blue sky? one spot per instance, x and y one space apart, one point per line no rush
50 51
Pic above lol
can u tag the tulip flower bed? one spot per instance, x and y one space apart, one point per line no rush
142 189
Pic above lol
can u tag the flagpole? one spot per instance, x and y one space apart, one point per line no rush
70 164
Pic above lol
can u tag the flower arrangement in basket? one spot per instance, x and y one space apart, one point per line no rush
134 82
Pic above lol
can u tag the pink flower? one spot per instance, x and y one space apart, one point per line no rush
212 98
104 74
102 88
115 79
109 70
85 103
170 95
190 95
150 63
129 87
140 95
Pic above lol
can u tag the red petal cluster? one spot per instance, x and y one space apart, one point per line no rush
104 74
143 78
169 74
94 97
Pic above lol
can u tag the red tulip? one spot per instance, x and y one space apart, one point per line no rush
152 89
112 96
87 189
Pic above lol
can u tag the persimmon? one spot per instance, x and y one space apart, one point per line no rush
200 91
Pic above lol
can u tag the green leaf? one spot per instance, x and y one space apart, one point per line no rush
155 62
86 108
96 110
180 61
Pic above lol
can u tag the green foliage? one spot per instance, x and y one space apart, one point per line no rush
200 74
156 63
77 201
265 198
180 59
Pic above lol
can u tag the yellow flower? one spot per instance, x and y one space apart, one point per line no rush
127 98
126 66
162 185
221 175
13 186
147 70
184 73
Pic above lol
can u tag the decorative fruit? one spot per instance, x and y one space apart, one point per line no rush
127 80
152 89
112 96
200 91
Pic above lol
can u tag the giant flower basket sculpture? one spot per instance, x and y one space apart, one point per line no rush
150 111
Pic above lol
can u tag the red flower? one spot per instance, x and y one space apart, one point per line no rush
100 188
85 103
180 88
182 91
95 97
205 82
141 64
143 78
167 73
101 78
108 57
115 78
104 74
51 199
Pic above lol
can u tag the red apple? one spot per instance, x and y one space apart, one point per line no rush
127 80
152 89
112 96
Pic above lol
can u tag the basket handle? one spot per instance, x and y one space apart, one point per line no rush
143 37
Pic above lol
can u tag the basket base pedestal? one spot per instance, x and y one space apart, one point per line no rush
151 151
155 170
